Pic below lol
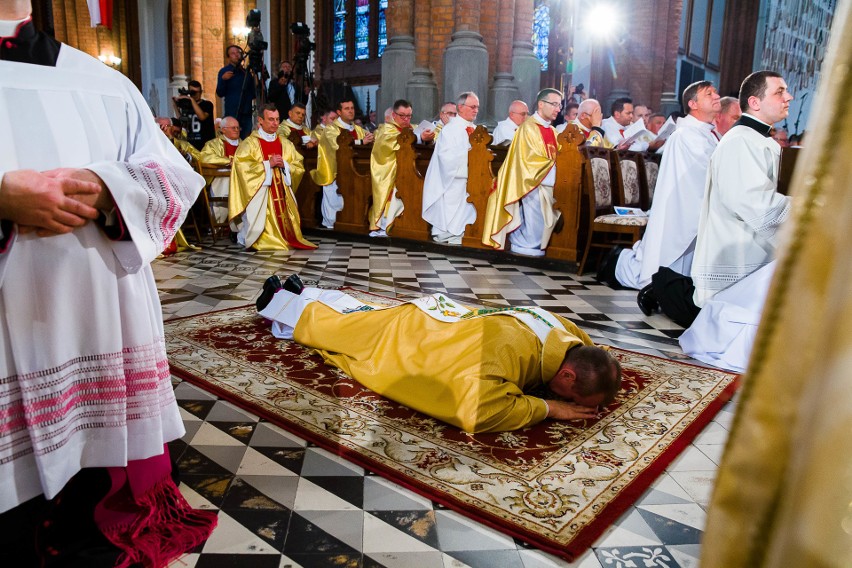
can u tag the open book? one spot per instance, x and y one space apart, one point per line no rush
423 126
629 211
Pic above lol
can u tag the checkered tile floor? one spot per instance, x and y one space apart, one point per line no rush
284 502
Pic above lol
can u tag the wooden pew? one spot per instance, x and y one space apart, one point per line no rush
354 184
484 162
411 164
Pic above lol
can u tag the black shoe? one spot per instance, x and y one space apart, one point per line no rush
606 274
647 301
294 284
272 285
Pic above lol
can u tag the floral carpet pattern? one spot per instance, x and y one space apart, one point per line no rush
556 485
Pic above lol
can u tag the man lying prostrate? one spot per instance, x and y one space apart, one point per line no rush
468 368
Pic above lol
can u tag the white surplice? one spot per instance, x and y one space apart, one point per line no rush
445 204
723 333
84 379
669 238
504 131
741 214
615 134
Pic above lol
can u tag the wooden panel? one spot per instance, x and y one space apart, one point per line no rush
789 156
354 184
568 194
481 173
409 187
308 193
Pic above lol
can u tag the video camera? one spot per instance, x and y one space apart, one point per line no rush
255 43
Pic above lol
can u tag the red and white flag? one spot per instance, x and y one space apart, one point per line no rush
100 12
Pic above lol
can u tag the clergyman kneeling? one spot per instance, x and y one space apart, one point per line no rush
468 368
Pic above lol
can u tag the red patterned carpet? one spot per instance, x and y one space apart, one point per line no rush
556 485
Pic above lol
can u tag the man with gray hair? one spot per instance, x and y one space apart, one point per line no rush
505 129
220 152
728 116
445 204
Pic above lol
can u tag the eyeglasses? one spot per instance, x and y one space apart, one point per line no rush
471 106
553 103
402 115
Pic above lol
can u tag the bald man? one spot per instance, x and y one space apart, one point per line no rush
505 130
589 118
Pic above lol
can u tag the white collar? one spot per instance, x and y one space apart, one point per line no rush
691 120
292 124
540 119
231 142
751 116
349 127
266 136
581 125
9 28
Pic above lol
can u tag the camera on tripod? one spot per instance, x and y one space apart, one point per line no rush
255 42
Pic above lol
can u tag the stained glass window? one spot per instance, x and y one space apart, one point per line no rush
362 29
339 30
541 31
383 27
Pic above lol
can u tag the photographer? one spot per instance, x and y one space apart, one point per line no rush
196 114
282 91
237 88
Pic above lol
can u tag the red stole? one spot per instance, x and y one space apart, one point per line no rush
230 149
549 138
269 148
470 130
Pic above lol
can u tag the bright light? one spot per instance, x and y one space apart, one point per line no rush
604 22
110 60
238 31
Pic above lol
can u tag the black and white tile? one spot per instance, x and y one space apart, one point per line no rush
285 502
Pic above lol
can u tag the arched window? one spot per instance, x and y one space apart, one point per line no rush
339 31
541 31
359 30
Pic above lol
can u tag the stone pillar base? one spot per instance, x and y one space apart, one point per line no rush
397 63
669 103
614 94
526 69
503 92
422 91
466 68
179 82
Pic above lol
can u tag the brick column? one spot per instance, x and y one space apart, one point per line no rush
466 57
525 65
196 41
179 54
398 57
670 99
504 90
421 88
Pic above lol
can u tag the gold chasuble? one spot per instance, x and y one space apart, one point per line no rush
282 228
326 171
286 127
217 152
471 373
187 150
383 170
528 161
